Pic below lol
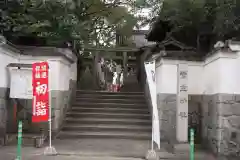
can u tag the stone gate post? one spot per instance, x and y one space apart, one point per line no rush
182 104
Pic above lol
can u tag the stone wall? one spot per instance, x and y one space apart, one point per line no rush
167 116
222 123
3 112
61 102
195 112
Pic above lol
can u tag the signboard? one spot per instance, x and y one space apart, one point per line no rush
151 79
21 84
182 103
40 101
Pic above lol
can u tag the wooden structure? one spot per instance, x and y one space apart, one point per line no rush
126 56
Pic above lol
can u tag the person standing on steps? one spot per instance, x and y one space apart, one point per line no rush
121 79
114 82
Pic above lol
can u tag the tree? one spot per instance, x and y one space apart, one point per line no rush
193 20
84 21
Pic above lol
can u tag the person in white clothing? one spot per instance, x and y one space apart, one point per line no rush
121 79
114 82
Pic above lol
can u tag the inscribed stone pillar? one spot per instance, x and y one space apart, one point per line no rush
182 104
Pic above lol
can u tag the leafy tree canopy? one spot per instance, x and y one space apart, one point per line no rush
87 22
197 22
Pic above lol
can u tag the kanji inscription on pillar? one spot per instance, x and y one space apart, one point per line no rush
182 103
40 92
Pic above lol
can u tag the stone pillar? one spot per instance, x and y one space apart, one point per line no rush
95 64
182 104
125 60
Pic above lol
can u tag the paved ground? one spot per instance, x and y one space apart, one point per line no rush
83 149
105 147
92 150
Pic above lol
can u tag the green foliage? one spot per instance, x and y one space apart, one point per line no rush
85 21
142 4
193 18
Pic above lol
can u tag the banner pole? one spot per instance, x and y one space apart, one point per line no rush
50 120
152 131
50 150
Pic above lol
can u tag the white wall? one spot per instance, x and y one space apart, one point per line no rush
167 76
237 74
54 68
67 72
6 57
195 77
228 76
211 76
60 73
219 73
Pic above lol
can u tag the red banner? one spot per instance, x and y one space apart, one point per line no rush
40 101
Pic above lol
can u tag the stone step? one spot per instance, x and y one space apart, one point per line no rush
102 100
106 127
110 110
116 121
111 96
107 115
108 105
88 157
108 93
108 135
103 147
130 87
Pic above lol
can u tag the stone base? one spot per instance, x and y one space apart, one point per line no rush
50 151
152 155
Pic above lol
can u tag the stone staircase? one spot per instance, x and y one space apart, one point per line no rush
108 124
96 114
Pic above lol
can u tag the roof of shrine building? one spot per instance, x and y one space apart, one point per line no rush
19 65
47 51
173 49
39 51
33 46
